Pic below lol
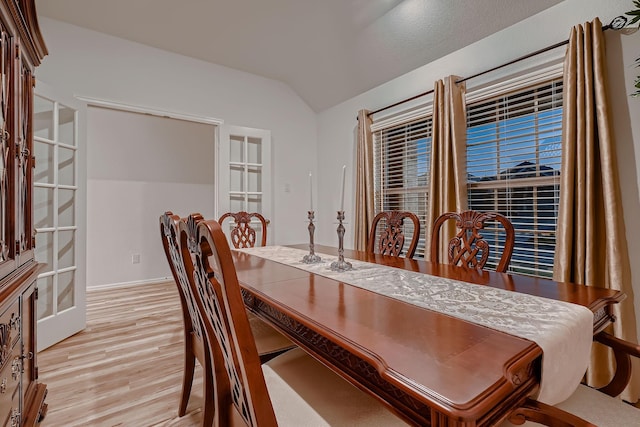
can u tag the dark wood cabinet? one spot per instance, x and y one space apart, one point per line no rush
21 50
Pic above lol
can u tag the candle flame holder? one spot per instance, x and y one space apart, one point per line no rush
341 264
312 258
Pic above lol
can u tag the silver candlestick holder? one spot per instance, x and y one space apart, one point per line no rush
312 258
341 264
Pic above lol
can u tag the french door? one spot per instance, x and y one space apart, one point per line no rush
59 214
245 173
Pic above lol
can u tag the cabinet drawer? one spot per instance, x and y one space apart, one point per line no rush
9 331
10 390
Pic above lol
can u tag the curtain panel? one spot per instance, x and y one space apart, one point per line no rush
591 244
364 182
448 184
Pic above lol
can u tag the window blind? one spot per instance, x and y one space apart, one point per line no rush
513 167
402 156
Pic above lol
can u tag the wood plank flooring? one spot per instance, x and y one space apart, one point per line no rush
125 368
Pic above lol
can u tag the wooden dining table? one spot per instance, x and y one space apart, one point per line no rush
429 368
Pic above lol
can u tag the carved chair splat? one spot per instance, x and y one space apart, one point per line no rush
243 235
468 248
392 237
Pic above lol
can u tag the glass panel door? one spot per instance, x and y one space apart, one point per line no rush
58 199
245 172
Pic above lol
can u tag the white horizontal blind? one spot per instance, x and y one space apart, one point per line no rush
402 156
513 167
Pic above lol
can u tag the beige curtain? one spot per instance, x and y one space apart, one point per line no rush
591 244
364 181
448 183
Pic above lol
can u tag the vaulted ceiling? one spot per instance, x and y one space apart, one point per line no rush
327 51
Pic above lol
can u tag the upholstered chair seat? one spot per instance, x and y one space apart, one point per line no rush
269 341
600 409
305 393
597 408
587 406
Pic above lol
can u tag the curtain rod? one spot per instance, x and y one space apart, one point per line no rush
616 24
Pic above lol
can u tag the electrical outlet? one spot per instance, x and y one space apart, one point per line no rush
135 259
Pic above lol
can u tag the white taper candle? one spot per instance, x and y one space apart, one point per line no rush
344 170
310 193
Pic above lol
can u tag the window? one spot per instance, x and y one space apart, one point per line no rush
513 167
402 157
514 132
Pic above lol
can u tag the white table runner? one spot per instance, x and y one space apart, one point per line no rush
563 330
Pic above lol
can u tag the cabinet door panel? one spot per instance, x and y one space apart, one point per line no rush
25 159
7 157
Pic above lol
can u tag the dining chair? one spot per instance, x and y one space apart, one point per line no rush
194 337
589 406
390 240
269 342
242 234
292 389
469 248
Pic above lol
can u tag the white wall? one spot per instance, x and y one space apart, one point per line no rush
89 64
336 126
138 167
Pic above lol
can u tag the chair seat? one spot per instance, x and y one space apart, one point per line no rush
268 340
306 393
598 408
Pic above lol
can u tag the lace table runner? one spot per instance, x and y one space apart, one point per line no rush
562 330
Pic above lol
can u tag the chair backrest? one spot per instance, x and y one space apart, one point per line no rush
243 235
392 237
469 248
241 393
169 224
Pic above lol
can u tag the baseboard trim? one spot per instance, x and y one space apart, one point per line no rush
128 284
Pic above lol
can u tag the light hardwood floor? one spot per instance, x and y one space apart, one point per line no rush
125 368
